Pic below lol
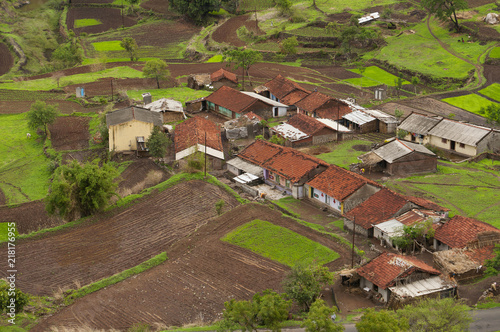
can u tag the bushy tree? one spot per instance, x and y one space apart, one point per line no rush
129 44
493 265
68 54
319 318
41 115
289 45
415 81
284 6
304 283
446 9
381 321
81 189
157 69
266 309
6 294
491 113
197 10
242 58
440 315
158 143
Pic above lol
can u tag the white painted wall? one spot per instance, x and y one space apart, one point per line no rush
200 147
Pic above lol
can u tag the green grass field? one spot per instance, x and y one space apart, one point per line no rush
181 94
495 53
106 46
279 244
373 76
215 58
4 231
472 102
492 91
471 190
343 154
86 22
45 84
24 174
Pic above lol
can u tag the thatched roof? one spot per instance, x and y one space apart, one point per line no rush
455 261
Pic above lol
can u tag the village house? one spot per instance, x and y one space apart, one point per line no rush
284 168
283 90
381 206
223 77
339 189
170 109
279 109
129 128
386 123
302 130
359 121
319 105
233 104
199 134
398 157
397 279
416 127
199 81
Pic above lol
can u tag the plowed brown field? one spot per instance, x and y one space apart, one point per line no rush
202 272
70 133
120 240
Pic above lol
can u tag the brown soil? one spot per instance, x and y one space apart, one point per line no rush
6 59
362 147
70 133
340 18
471 292
159 6
66 107
484 32
110 243
111 18
3 200
201 273
142 173
226 33
29 217
492 74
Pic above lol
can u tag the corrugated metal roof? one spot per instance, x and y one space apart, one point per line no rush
245 178
384 117
418 124
353 106
289 132
369 17
359 117
423 287
459 132
396 149
133 112
165 104
334 125
264 99
246 166
391 227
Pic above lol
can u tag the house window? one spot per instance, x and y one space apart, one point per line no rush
277 178
444 140
375 288
287 183
462 145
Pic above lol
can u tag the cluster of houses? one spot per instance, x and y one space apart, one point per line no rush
460 245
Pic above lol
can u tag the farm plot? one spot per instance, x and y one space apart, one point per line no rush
118 240
6 59
492 91
70 133
110 18
29 217
471 190
202 272
471 102
345 153
373 76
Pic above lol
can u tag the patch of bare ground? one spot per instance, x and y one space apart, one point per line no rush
482 31
70 133
226 32
159 6
112 242
29 217
472 292
6 59
66 107
202 272
110 18
141 174
3 200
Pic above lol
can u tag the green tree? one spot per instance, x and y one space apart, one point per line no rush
157 69
446 9
415 81
6 294
398 114
197 10
304 283
275 139
267 309
438 315
399 82
158 143
68 54
242 58
319 318
289 45
80 190
491 113
129 44
41 115
381 321
284 6
493 265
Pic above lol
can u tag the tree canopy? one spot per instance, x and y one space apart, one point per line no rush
446 9
196 9
80 190
493 265
381 321
242 58
157 69
129 44
158 143
319 318
289 46
491 113
41 115
305 282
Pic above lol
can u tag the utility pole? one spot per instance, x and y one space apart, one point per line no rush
353 232
338 119
112 95
123 22
205 154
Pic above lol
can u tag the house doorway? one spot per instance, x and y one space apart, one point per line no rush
275 112
452 145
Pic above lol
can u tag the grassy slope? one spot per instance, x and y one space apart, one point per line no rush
279 244
23 166
467 189
472 102
372 76
492 91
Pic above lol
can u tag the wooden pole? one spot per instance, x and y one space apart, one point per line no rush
205 154
353 232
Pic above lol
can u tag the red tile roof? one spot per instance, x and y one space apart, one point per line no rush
293 97
339 183
231 99
306 124
386 268
313 101
380 207
480 255
281 86
192 132
426 204
222 73
260 151
459 231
